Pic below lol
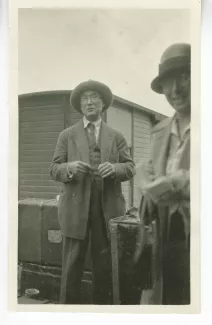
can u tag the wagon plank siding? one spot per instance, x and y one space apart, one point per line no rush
141 145
41 121
121 120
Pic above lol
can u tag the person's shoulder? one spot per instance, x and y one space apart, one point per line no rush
110 129
161 125
115 132
66 132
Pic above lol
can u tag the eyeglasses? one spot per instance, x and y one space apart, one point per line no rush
93 98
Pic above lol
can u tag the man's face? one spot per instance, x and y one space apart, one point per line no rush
91 105
176 88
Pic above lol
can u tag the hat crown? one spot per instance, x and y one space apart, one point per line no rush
176 50
175 57
90 84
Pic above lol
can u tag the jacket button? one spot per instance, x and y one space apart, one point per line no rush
74 194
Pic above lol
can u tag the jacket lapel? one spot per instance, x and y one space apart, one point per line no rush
164 146
185 157
81 141
106 141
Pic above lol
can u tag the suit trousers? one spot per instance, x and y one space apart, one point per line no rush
74 252
176 265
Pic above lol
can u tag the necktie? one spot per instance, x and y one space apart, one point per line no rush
91 135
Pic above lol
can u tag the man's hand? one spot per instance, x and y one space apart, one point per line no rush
107 169
78 167
180 178
180 182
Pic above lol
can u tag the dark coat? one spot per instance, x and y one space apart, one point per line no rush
74 200
156 216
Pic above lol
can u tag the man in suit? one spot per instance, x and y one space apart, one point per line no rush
170 158
90 160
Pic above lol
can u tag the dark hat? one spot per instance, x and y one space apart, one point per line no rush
101 88
176 57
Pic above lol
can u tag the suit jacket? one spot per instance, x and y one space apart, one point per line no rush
74 200
160 146
157 214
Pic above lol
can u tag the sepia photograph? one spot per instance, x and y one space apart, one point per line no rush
104 115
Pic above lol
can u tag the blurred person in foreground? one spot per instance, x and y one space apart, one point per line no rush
169 169
91 160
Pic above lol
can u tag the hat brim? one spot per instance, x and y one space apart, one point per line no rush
99 87
156 85
156 82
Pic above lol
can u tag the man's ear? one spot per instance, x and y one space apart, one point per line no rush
103 104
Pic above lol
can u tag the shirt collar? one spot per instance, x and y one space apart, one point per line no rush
86 122
174 128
